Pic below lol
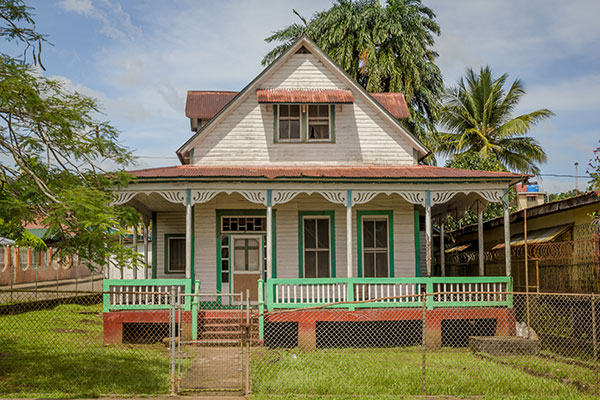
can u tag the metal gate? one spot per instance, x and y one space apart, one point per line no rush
209 349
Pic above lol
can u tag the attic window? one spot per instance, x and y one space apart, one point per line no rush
318 122
302 50
289 122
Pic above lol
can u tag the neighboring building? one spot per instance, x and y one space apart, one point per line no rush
529 195
563 246
301 175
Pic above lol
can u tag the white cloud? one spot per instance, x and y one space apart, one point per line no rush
572 94
115 22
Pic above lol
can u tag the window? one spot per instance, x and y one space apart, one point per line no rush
375 243
175 253
318 122
375 247
316 247
289 122
244 224
246 254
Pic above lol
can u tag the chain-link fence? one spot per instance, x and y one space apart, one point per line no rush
540 345
526 345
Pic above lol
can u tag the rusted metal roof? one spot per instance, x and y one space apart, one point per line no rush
206 104
544 235
336 96
394 103
327 172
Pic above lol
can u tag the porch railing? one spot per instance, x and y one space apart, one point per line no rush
390 292
136 294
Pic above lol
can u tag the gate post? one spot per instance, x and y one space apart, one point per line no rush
172 319
195 310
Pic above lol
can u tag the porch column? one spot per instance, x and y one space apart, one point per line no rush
135 233
349 261
480 238
428 235
188 235
505 203
442 249
269 234
145 233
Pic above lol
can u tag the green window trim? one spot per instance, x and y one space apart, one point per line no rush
360 214
301 215
244 213
168 236
417 243
304 125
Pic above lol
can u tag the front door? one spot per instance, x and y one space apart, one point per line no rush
247 259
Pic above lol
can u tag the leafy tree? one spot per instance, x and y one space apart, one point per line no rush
594 171
52 154
475 161
385 48
563 195
478 116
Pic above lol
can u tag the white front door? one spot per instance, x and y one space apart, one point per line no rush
247 261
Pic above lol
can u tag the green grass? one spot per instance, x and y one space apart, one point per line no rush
381 373
59 353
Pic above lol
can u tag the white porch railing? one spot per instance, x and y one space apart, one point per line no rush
135 294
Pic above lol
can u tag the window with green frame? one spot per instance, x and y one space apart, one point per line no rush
174 249
316 238
375 243
303 123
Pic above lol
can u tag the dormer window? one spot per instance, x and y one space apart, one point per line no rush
289 122
318 122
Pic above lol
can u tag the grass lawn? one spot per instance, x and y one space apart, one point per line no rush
381 373
59 353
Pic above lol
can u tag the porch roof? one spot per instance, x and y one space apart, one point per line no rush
424 172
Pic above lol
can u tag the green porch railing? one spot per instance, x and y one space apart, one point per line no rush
392 292
143 294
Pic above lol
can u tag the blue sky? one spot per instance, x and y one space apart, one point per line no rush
138 58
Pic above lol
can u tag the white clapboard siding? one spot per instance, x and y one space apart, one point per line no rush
245 136
167 223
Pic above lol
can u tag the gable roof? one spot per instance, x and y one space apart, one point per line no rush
338 96
316 51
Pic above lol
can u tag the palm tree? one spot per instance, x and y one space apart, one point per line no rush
385 48
478 115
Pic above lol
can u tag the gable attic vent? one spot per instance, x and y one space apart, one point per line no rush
302 50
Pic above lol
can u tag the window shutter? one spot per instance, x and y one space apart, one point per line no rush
304 112
275 124
332 122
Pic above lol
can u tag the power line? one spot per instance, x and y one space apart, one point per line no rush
565 175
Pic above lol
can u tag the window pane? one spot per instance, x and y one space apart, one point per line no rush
284 127
295 129
323 233
284 110
323 258
381 264
369 260
369 234
381 234
225 252
310 264
239 256
177 254
313 110
253 259
225 277
294 110
320 131
310 240
324 110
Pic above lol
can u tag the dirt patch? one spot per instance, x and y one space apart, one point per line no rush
69 330
91 321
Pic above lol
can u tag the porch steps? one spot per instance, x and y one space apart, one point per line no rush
223 328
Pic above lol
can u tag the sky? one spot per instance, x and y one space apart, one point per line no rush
139 58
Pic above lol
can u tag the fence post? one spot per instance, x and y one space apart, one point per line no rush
248 338
350 294
195 310
424 343
172 319
595 340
